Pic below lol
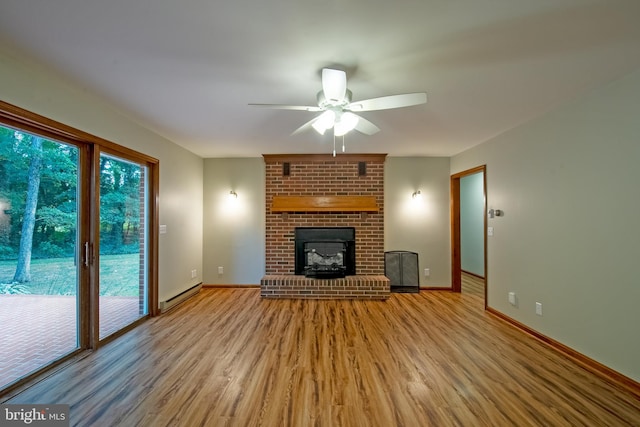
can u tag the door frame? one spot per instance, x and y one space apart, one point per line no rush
456 259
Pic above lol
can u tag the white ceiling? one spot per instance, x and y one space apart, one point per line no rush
187 69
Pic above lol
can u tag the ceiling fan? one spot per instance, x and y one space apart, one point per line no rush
338 110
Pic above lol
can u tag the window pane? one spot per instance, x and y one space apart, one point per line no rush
38 248
123 237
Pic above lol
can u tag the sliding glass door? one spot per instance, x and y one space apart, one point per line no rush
39 252
78 242
123 260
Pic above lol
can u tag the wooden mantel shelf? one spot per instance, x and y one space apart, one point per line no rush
324 204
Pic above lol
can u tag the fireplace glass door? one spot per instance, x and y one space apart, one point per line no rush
325 259
325 251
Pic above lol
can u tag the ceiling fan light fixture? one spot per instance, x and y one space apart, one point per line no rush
348 122
325 121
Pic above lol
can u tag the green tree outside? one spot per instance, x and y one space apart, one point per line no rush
38 223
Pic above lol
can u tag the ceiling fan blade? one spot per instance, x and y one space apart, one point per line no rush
287 107
334 85
366 127
308 125
388 102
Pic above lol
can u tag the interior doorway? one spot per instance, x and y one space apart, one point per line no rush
456 230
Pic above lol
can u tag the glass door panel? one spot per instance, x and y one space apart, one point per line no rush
39 252
123 244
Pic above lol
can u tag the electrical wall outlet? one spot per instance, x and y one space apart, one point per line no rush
220 270
512 298
194 274
427 272
539 308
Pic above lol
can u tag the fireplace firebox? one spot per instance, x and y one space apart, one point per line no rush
325 252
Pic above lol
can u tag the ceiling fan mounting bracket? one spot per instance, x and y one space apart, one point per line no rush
326 104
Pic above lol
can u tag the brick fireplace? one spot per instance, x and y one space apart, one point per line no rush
325 191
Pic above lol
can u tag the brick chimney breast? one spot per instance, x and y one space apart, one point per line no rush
324 175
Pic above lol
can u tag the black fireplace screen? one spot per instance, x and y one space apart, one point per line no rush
325 251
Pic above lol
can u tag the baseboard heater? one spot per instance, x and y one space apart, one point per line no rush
181 297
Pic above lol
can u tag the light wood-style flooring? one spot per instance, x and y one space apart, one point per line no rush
472 284
228 358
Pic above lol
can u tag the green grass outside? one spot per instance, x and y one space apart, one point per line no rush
57 276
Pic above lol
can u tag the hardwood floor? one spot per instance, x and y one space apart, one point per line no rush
472 285
228 358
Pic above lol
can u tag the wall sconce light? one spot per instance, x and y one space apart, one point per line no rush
416 194
233 195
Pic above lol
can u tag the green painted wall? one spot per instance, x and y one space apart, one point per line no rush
472 223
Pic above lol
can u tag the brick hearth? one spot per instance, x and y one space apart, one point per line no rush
350 287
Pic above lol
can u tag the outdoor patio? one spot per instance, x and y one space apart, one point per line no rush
37 329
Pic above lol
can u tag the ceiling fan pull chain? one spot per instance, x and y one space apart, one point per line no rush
334 144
